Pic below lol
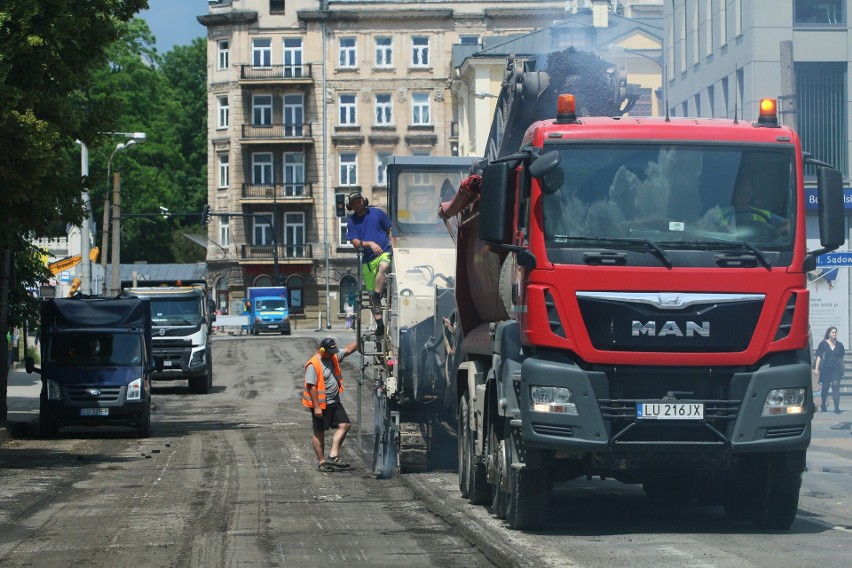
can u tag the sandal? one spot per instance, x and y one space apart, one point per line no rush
336 461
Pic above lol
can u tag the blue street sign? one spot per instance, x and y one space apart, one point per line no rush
834 259
811 199
65 276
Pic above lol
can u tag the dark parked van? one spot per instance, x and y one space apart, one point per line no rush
97 362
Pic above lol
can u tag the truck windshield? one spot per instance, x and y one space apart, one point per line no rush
94 349
271 305
416 200
176 311
675 196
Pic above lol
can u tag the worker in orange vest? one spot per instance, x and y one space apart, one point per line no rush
323 387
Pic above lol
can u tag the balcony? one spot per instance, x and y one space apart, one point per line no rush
266 133
287 254
301 192
277 74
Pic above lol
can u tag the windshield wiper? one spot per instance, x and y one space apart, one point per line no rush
611 242
758 254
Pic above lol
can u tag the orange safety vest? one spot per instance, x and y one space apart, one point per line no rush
306 395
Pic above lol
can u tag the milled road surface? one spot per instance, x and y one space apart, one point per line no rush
227 479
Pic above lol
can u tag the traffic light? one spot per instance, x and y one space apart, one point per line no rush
205 215
340 204
75 286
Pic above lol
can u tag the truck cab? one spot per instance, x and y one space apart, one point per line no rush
97 363
182 329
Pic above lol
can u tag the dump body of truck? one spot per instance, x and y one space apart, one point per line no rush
182 329
268 310
97 361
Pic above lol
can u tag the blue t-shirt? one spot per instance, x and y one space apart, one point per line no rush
373 226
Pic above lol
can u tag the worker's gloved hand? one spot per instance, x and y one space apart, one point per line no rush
473 183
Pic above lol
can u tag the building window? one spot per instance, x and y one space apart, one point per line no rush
294 174
469 40
294 115
348 169
276 7
820 12
384 110
261 114
261 168
643 104
347 111
381 170
222 58
348 291
295 287
384 52
343 223
222 113
723 24
293 57
347 58
262 230
294 235
420 51
224 231
261 52
821 101
420 109
224 171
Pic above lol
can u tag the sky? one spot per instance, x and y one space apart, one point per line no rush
173 22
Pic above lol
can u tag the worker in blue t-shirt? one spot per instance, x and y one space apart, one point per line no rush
368 228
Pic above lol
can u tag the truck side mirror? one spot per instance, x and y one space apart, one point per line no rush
495 204
831 208
29 365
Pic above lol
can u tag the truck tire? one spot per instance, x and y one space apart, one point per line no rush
528 499
768 494
47 426
384 439
203 384
472 481
499 452
143 425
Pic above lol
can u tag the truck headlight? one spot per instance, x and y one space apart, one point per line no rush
559 400
54 391
134 390
784 401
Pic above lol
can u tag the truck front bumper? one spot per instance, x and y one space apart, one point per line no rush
180 364
94 413
732 419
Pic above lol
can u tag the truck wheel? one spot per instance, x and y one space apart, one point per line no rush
143 426
384 441
499 454
527 507
779 498
47 427
472 482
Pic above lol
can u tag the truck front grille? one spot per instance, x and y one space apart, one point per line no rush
87 394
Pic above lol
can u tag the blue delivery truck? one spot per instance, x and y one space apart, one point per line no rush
268 310
96 363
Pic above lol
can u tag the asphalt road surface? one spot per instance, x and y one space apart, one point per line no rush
229 479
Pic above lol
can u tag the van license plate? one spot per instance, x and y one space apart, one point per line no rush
274 326
670 411
167 363
94 412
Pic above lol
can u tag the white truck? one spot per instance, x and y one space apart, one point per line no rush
182 329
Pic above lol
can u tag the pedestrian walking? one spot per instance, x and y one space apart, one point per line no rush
323 388
350 314
829 368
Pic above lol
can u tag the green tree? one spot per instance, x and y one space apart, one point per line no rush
47 53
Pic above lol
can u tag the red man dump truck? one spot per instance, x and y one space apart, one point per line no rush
631 304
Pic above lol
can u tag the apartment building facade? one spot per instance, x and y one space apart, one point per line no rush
305 98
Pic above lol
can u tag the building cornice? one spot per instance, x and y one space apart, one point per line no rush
228 18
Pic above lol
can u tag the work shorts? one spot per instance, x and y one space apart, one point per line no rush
370 269
333 416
